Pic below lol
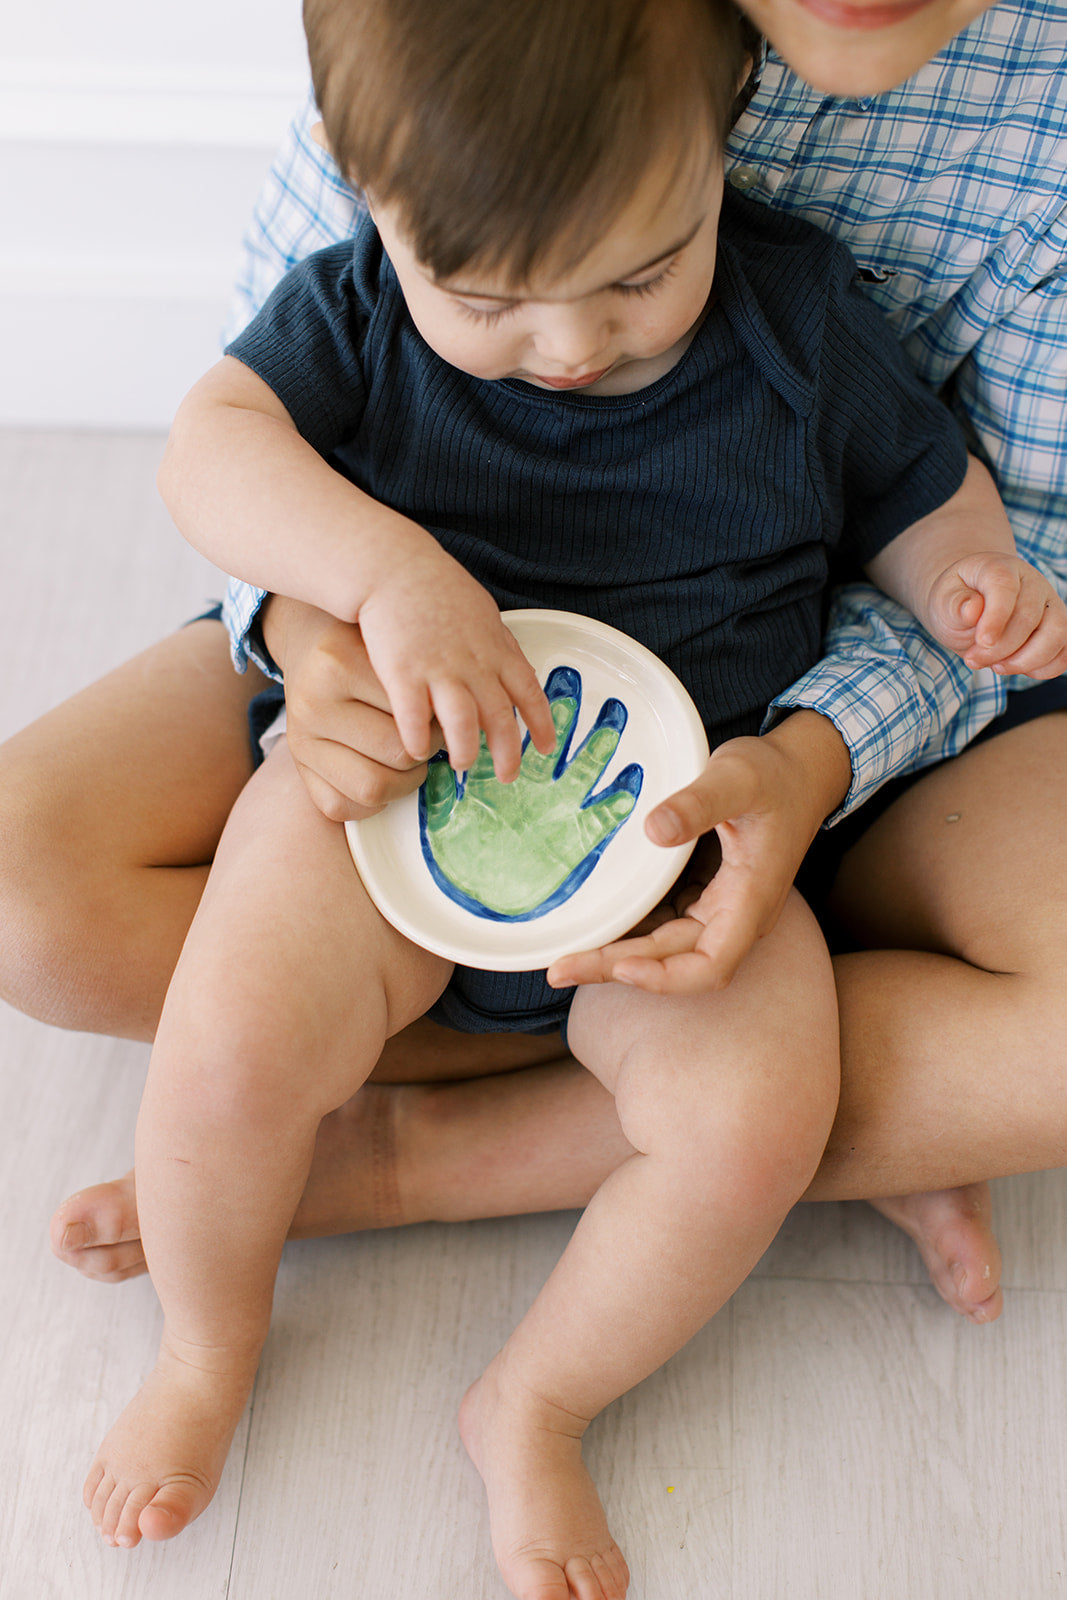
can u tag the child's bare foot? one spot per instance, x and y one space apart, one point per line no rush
160 1464
953 1230
550 1535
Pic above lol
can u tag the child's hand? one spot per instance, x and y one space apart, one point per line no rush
758 796
997 611
339 728
436 640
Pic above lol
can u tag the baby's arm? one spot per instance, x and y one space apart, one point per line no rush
254 497
958 572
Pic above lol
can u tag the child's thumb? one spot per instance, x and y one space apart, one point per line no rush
963 610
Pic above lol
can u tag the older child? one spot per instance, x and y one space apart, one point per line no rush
603 386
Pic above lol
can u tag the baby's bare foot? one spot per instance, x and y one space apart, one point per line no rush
160 1464
953 1230
97 1232
550 1535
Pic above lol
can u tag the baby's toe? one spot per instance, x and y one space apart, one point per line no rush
127 1529
171 1509
93 1482
598 1577
108 1506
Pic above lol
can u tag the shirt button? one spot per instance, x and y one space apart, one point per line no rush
745 178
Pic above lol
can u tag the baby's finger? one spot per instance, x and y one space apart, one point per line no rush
961 616
413 714
668 962
521 682
591 966
1044 655
583 966
497 716
687 973
999 593
723 789
1037 627
460 721
348 786
601 966
1028 614
727 937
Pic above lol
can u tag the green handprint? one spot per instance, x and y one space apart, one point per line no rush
513 851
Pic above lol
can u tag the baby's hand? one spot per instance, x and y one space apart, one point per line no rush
339 727
754 795
436 640
998 611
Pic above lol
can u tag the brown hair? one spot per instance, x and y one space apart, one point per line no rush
509 133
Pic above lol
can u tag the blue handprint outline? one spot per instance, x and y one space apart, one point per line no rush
514 852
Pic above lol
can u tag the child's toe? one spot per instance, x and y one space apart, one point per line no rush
92 1483
128 1530
110 1499
171 1509
598 1577
539 1580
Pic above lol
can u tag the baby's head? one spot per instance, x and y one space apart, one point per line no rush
546 174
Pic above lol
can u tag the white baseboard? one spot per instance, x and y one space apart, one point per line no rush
124 198
100 102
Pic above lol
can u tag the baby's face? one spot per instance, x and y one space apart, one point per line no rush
860 47
613 324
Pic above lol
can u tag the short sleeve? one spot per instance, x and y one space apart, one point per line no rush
306 344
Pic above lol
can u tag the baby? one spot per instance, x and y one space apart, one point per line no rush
560 367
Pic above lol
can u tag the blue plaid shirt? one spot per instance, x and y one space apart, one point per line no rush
951 192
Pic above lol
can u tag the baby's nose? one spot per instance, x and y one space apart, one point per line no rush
573 343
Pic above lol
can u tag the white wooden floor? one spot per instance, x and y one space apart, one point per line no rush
835 1434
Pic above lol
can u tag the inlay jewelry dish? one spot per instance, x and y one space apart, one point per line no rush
508 877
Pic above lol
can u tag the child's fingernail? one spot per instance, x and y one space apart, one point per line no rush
75 1236
666 825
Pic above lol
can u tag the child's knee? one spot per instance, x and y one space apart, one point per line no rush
216 1073
779 1153
736 1130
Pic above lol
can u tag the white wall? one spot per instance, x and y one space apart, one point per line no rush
133 138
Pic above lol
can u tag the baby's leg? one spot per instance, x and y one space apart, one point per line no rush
727 1100
285 992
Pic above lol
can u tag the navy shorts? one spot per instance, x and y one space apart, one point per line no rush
522 1002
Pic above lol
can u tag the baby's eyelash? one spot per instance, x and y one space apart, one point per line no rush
478 315
498 313
650 285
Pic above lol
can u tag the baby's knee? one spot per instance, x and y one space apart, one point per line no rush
775 1164
756 1139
